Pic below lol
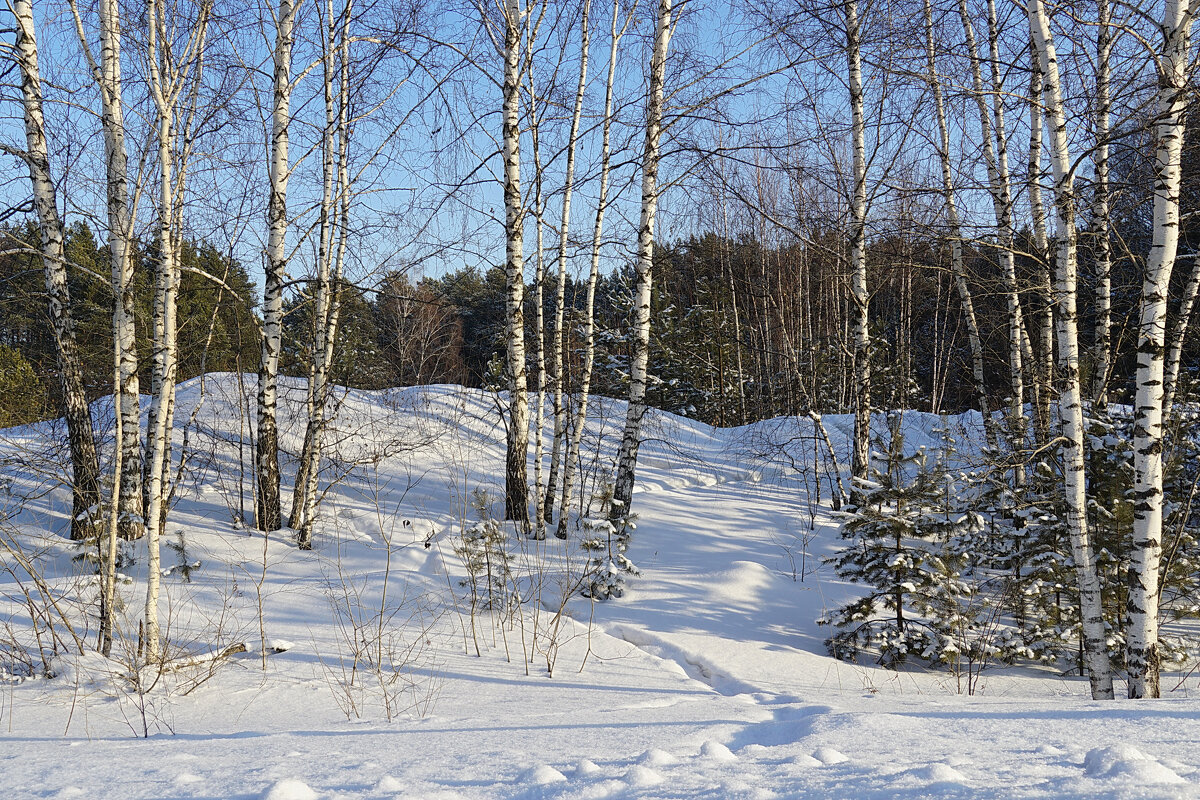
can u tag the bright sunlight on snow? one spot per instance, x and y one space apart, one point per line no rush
396 661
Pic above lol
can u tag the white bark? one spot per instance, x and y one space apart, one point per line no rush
1070 406
333 229
85 465
558 338
1141 644
993 129
589 319
974 340
640 355
516 483
539 288
859 296
169 70
107 75
1044 380
267 507
1102 291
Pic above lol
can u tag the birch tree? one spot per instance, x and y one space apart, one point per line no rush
333 209
1095 652
1102 290
85 465
993 129
589 311
974 340
516 480
644 270
558 337
268 515
860 298
1178 335
1043 388
174 77
1141 644
120 206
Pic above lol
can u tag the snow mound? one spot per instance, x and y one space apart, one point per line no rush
827 755
940 773
715 751
587 768
1127 763
388 785
805 760
542 775
187 777
643 776
290 789
657 758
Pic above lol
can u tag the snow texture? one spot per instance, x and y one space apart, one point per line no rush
709 678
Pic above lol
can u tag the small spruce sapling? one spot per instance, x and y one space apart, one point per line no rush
607 541
896 536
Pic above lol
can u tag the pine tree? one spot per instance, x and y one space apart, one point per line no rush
897 534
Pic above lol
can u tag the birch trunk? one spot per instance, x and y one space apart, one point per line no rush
558 382
539 304
332 168
974 340
1102 291
169 70
107 75
640 356
1044 380
85 464
268 516
516 480
589 319
1095 651
1141 644
860 299
992 128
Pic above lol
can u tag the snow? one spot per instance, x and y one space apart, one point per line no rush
709 678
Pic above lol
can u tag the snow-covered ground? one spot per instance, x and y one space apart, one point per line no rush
709 677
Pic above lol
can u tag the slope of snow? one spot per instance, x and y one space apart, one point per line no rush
709 678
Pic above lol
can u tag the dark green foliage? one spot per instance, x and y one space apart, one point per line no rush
23 396
607 539
897 539
217 331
